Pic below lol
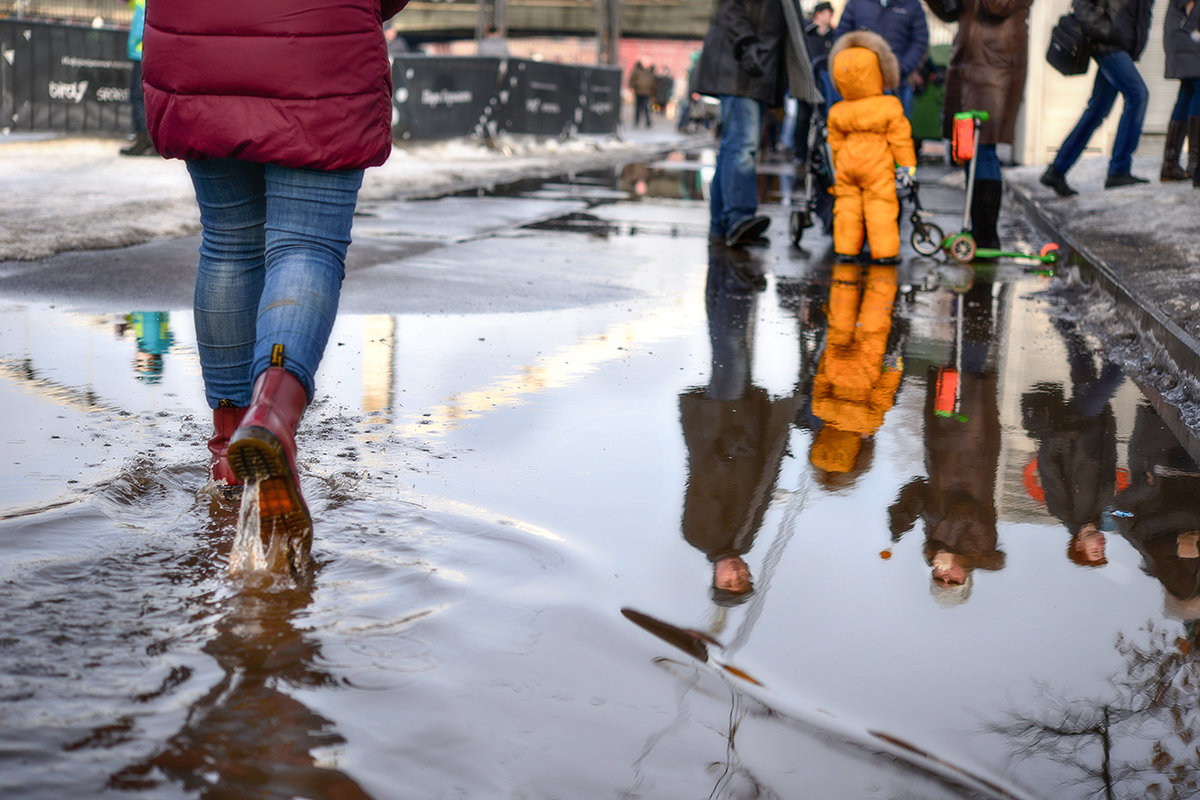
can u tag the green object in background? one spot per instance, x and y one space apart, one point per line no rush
926 111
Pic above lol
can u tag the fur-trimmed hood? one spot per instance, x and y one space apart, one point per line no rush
863 65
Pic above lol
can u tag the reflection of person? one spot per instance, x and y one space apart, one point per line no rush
1077 450
736 434
962 450
250 735
855 383
1181 40
153 332
902 25
141 144
276 110
869 136
986 72
1159 513
1119 29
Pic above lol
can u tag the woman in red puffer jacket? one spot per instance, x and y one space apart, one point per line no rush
277 107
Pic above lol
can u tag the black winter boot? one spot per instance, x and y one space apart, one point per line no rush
985 210
1171 171
1193 140
141 146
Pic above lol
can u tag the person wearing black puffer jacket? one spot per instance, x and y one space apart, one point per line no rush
1119 29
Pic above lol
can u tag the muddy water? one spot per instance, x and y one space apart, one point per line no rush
493 490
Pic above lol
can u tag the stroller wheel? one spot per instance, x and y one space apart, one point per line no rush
962 248
926 238
797 224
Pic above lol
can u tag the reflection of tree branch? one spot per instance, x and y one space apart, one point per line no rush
1155 705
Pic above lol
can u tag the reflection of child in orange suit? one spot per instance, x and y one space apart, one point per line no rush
868 136
854 386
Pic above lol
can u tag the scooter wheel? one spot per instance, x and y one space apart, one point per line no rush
962 248
797 223
927 239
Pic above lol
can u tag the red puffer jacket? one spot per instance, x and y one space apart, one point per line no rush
300 83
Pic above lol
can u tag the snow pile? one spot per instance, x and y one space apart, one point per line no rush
65 194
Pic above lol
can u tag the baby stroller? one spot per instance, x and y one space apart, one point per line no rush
818 180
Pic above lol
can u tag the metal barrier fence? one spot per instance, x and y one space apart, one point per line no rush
74 78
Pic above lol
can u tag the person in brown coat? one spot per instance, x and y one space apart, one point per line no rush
986 72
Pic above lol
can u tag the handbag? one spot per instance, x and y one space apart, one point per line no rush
1070 49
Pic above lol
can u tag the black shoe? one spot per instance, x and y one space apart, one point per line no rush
757 241
747 230
890 261
1113 181
842 258
1055 180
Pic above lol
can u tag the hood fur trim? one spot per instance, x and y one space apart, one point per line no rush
889 67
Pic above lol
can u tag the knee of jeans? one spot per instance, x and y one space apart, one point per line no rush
1138 99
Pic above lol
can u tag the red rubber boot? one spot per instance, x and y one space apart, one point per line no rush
263 449
225 422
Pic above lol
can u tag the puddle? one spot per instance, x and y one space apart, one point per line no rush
739 526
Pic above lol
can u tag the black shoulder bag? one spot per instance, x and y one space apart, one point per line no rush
1070 48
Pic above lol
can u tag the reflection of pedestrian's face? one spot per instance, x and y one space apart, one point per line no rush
947 570
1090 543
824 18
731 575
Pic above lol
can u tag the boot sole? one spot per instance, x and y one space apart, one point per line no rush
256 455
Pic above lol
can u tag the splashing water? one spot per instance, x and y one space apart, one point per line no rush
256 551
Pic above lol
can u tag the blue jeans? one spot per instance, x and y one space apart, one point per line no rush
733 195
1187 102
1117 74
272 259
987 163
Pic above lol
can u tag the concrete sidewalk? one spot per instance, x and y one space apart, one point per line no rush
1138 243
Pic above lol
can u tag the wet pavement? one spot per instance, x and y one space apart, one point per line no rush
545 416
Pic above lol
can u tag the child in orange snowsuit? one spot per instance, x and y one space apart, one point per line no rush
868 136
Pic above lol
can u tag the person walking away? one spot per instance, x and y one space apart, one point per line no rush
1119 29
902 25
643 85
753 51
141 144
1181 41
986 72
868 136
276 110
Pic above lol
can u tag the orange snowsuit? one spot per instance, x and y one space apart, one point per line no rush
868 136
854 386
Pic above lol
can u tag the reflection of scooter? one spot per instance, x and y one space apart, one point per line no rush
961 246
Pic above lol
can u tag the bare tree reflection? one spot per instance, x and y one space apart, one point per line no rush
1142 738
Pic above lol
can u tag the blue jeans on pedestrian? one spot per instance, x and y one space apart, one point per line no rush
733 195
1117 74
1187 102
987 163
272 259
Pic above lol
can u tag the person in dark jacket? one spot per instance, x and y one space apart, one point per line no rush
1181 41
752 52
277 110
1119 29
986 72
736 433
902 25
1077 445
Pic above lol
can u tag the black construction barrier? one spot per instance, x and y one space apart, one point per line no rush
63 77
441 97
57 77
